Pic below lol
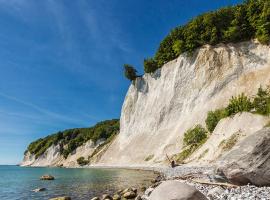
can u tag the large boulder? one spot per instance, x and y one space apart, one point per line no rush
248 161
175 190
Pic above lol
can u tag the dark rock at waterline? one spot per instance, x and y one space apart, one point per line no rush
39 189
129 195
248 162
116 197
172 190
61 198
47 177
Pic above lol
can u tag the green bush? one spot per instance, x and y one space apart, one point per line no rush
213 117
130 72
193 139
239 104
195 136
150 65
81 161
230 24
261 102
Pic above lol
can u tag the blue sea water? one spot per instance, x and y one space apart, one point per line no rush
18 182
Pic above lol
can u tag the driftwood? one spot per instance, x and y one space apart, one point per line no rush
215 183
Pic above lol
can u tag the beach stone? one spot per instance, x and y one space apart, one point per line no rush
106 197
129 195
215 193
248 161
47 177
116 197
95 198
148 191
61 198
175 190
39 189
143 188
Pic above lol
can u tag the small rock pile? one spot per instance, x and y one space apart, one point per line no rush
128 193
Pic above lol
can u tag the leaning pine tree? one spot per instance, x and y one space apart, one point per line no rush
130 72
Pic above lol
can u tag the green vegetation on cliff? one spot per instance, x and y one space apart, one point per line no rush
242 22
70 139
260 104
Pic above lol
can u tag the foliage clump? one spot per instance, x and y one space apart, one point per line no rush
70 139
193 138
81 161
150 157
130 72
213 117
238 104
261 102
238 23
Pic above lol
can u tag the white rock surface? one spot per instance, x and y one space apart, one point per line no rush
159 108
52 156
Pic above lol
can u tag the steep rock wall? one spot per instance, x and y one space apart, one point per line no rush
53 157
160 107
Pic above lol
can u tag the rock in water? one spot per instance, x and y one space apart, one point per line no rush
248 162
39 189
95 198
47 177
61 198
175 190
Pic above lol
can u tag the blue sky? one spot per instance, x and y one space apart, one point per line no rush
61 60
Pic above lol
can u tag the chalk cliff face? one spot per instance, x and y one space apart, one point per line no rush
53 157
160 107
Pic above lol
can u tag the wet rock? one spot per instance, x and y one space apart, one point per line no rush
129 195
61 198
215 193
39 189
116 197
248 162
143 189
171 190
47 177
148 191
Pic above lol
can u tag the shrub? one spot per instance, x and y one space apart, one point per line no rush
195 136
81 161
130 72
213 117
150 65
150 157
239 104
261 102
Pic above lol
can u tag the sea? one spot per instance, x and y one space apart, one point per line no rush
81 183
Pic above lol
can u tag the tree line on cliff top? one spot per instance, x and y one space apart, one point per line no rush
242 22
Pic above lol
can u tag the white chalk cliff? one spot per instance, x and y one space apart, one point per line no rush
160 107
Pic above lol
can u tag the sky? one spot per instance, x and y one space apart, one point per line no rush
61 61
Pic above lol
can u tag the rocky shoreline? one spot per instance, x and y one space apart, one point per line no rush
203 179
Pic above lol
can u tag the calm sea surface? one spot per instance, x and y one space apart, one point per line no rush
18 182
